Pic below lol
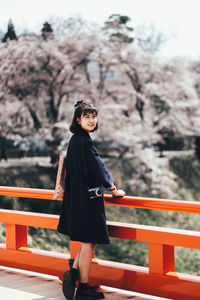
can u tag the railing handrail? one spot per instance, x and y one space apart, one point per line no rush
128 201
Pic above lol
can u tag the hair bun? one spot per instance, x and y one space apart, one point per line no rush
78 103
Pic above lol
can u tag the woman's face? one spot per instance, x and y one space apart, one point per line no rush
88 122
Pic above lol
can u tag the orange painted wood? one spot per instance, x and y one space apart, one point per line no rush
159 280
26 192
134 278
27 218
153 203
144 233
124 276
128 201
74 248
161 258
16 236
47 262
154 234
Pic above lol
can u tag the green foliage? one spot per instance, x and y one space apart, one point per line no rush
46 27
188 171
120 18
47 31
187 260
2 233
124 37
118 23
47 239
159 104
124 251
34 177
10 34
124 19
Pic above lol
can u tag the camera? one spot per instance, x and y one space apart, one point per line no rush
96 192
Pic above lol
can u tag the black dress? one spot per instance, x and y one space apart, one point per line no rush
83 219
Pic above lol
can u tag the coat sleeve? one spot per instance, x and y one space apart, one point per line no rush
95 166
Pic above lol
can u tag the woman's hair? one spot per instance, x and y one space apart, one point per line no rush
81 108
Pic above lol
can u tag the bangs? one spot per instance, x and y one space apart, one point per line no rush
89 111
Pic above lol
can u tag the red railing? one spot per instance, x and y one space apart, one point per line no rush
160 279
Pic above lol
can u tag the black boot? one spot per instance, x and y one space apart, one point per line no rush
69 280
88 293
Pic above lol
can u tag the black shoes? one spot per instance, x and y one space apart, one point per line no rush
84 292
88 293
69 280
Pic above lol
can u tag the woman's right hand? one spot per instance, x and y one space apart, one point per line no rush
118 193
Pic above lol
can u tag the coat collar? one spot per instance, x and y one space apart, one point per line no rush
81 131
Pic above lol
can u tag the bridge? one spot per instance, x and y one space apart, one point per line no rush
159 279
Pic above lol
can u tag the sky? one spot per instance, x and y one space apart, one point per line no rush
179 18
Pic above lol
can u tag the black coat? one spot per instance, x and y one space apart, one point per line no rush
83 219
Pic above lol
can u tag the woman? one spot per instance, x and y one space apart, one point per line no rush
83 219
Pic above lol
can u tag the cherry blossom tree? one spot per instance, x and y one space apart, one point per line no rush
140 97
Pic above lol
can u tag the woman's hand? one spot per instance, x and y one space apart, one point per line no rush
118 193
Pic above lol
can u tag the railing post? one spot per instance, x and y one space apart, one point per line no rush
161 258
74 248
16 236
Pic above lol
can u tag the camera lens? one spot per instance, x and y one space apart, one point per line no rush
99 193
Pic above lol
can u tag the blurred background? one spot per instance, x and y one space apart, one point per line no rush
138 62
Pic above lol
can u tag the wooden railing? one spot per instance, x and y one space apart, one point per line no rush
160 279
